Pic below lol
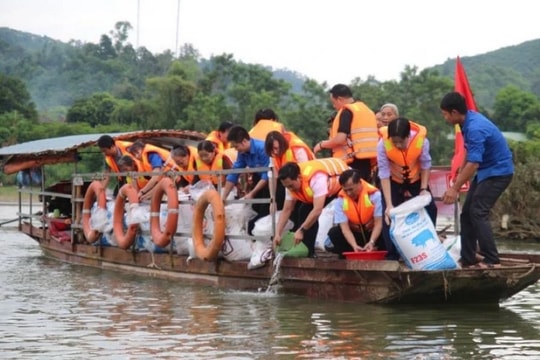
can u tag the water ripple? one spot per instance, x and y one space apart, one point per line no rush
55 310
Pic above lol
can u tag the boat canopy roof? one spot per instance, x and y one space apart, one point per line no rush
64 149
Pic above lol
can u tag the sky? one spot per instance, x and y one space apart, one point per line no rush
334 41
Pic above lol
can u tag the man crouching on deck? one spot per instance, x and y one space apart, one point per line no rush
314 183
358 215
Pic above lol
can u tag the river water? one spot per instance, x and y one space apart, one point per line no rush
54 310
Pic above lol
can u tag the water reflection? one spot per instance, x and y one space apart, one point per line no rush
48 309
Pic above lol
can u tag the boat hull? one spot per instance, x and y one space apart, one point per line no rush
329 278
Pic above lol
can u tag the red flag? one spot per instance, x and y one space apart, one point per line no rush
461 85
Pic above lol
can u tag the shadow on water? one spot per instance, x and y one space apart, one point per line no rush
49 309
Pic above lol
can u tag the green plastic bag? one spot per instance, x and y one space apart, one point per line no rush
289 249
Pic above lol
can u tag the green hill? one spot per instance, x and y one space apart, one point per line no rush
517 65
57 73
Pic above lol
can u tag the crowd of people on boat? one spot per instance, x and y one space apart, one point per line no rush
378 160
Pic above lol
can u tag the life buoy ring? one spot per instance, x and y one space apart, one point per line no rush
124 239
165 186
211 251
95 192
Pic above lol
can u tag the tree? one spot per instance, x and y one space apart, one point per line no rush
205 113
15 97
188 52
120 34
513 109
307 113
106 49
171 94
9 122
246 88
94 110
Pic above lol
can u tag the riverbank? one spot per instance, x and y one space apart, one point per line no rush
8 194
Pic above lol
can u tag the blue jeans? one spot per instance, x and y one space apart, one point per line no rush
474 220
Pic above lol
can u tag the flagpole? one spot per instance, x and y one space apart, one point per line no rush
461 85
138 21
177 29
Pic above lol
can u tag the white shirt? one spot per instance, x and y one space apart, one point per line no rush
319 185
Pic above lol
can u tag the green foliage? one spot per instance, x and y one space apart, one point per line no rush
120 35
526 151
110 84
15 98
204 113
172 94
533 131
514 108
309 113
95 110
10 124
58 73
488 73
522 198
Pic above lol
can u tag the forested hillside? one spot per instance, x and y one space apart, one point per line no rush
57 74
488 73
113 86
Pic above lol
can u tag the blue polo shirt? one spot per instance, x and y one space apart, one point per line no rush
486 146
256 157
155 160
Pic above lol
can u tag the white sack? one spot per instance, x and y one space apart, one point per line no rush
415 237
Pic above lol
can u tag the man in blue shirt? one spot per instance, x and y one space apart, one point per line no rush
490 158
251 154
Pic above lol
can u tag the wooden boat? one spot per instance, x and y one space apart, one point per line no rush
324 277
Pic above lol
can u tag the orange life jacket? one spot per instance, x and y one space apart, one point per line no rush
214 137
332 167
360 212
263 127
122 146
217 164
405 164
140 181
364 136
192 165
294 143
165 155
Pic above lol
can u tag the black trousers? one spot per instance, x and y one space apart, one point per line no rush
280 201
474 220
364 167
398 197
310 235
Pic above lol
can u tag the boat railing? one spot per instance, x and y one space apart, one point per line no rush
79 180
438 183
27 198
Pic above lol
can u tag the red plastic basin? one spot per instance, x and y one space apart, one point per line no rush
365 255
